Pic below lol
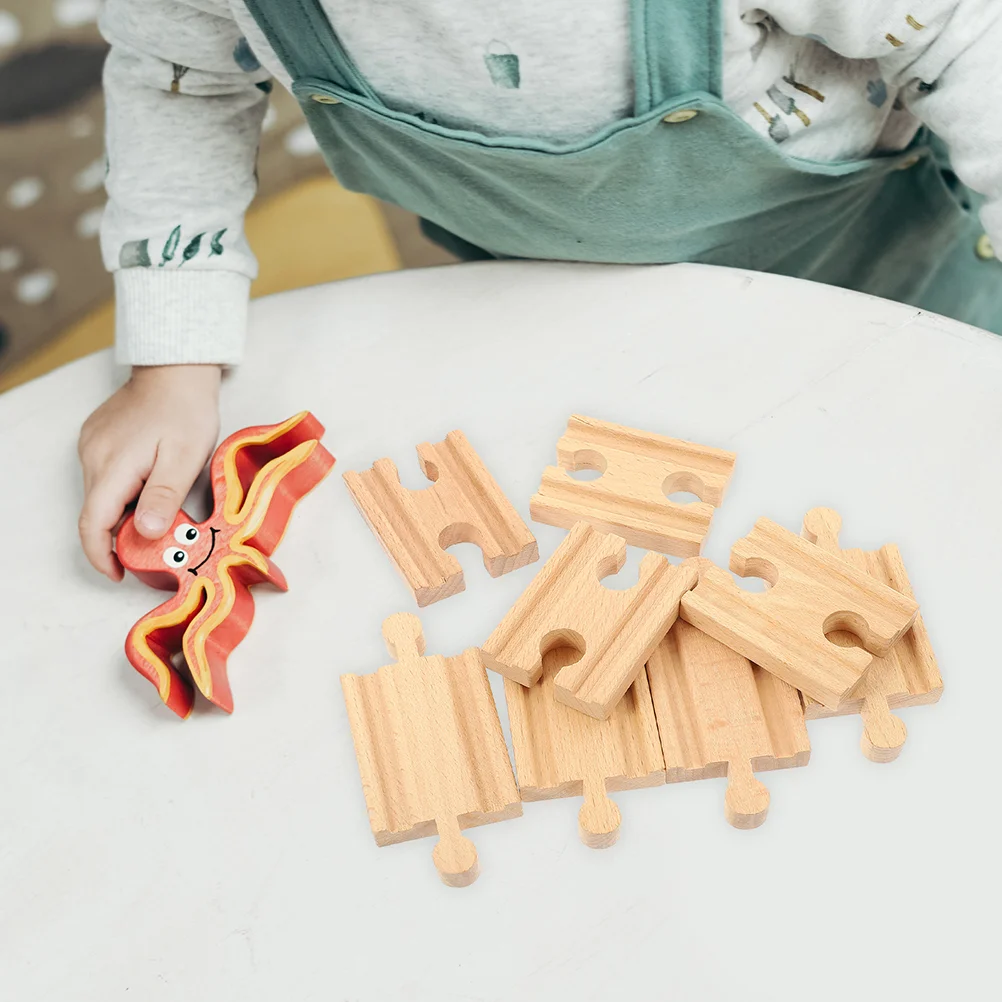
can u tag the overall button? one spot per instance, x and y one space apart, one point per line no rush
682 115
324 99
984 248
909 162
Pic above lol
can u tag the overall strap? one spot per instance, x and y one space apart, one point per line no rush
305 42
677 48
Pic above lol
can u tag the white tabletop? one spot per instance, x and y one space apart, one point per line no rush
142 857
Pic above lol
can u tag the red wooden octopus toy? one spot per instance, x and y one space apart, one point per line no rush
258 476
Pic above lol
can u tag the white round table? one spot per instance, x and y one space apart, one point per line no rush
142 857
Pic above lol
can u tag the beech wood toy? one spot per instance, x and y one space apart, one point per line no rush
463 505
630 499
562 753
906 676
812 593
430 749
720 715
566 605
258 476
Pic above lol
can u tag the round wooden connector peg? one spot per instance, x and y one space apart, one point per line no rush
599 817
403 636
454 855
746 802
883 733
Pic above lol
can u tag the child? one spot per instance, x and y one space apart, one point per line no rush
804 137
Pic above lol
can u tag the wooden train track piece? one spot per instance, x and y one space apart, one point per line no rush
430 749
463 505
720 715
907 675
566 605
639 470
562 753
784 628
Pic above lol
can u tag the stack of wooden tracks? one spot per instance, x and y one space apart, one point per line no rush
683 676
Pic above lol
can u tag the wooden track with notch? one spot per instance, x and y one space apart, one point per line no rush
566 605
639 470
784 628
463 505
562 753
907 675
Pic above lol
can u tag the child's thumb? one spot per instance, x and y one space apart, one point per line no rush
166 488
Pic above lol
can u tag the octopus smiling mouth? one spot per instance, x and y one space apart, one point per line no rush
212 546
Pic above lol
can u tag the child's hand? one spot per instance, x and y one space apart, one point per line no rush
158 429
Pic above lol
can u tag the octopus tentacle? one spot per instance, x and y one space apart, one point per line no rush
245 454
156 638
277 490
223 622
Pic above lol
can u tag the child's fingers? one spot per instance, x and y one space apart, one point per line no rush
175 470
102 510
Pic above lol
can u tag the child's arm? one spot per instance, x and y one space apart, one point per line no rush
184 115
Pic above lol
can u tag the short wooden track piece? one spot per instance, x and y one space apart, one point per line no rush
430 749
720 715
566 604
562 753
639 470
463 505
811 593
907 675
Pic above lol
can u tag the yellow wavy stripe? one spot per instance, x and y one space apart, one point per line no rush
152 623
263 489
200 672
233 489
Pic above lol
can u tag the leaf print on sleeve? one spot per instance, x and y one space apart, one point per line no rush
216 243
170 247
135 254
192 248
179 71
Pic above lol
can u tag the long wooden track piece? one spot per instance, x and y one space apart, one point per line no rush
430 749
562 753
812 593
907 675
638 470
463 505
720 715
566 605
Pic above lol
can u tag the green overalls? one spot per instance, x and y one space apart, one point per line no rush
683 179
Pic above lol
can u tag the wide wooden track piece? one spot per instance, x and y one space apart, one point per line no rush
638 470
562 753
812 593
720 715
430 749
566 605
463 505
906 676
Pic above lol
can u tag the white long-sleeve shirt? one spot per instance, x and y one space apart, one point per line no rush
186 84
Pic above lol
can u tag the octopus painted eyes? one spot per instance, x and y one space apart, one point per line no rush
258 476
